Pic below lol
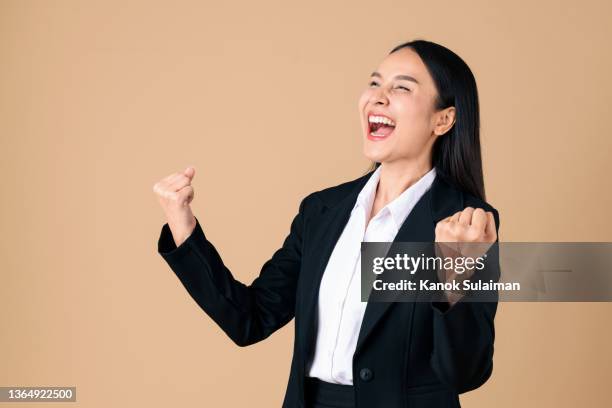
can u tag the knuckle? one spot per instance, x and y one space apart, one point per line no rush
442 226
479 212
159 189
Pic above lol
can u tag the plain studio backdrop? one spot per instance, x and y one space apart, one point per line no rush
99 100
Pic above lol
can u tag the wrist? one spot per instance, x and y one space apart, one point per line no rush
180 232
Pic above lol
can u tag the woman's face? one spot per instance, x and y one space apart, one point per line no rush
401 90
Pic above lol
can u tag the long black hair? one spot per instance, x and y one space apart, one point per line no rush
456 154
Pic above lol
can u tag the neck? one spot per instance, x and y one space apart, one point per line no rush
396 177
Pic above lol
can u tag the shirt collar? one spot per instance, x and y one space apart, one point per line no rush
401 206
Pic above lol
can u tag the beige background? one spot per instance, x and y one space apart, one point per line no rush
98 100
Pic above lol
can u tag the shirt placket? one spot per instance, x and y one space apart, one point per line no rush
354 239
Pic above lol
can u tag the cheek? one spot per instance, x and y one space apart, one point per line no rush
414 126
414 115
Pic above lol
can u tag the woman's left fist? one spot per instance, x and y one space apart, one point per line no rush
469 225
465 234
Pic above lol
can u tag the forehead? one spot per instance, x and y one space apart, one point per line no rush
404 61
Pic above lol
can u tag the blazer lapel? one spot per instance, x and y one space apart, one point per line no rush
437 203
325 236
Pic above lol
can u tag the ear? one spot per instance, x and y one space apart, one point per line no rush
445 119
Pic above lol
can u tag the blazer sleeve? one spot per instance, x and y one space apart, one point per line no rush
246 313
464 334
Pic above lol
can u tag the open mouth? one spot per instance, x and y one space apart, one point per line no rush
380 127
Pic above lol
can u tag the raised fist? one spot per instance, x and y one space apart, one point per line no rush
175 193
469 225
468 234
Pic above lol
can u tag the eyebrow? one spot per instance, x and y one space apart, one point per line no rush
406 77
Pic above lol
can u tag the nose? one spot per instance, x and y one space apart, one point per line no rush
379 97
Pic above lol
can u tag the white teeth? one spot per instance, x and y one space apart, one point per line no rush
381 119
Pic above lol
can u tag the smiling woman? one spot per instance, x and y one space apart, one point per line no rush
419 116
425 91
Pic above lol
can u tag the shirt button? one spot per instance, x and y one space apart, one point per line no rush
366 374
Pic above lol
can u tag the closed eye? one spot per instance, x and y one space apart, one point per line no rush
399 87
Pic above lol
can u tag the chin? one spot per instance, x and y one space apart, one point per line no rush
374 155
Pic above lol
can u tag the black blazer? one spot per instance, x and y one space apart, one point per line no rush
409 354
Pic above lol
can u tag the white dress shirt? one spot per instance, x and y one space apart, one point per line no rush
340 309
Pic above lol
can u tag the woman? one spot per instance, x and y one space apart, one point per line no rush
420 122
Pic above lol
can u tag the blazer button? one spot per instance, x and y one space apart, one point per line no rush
366 374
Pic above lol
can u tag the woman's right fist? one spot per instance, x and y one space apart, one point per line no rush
175 193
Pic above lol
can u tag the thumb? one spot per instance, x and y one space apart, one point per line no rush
189 172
